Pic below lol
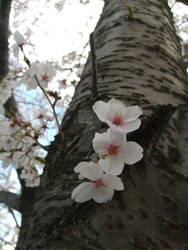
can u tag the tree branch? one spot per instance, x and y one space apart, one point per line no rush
13 215
10 199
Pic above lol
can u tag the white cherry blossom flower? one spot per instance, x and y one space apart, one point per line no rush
29 77
8 159
42 115
20 41
80 166
45 74
31 177
115 151
8 143
39 72
101 186
118 117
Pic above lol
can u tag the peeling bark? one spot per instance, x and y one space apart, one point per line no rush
139 62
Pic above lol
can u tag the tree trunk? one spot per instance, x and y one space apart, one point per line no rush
138 62
4 24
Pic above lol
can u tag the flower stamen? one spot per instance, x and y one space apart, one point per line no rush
113 149
117 120
98 183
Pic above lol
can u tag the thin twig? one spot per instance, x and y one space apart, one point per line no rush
5 242
52 106
47 97
93 65
14 217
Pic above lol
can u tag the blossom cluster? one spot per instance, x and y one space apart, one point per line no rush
114 152
19 144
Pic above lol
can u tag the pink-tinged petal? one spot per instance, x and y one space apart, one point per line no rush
132 113
115 138
83 192
131 126
80 166
131 153
18 38
115 106
103 194
92 172
100 143
115 128
112 181
114 167
15 49
33 69
101 109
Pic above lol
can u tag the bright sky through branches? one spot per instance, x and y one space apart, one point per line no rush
56 33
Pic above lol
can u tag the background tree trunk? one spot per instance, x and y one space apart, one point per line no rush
4 32
139 62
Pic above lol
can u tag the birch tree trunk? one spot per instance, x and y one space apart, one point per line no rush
138 62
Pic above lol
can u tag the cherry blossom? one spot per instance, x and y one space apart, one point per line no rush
8 143
101 186
8 159
118 117
80 166
115 151
45 73
20 41
38 72
31 177
29 77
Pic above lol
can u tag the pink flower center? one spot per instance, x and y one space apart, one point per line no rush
112 149
45 77
41 116
117 120
8 141
98 183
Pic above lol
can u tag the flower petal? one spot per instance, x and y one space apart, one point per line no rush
100 143
132 113
112 181
132 153
114 167
103 194
101 108
15 49
83 192
115 137
18 38
80 166
92 172
131 126
115 107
